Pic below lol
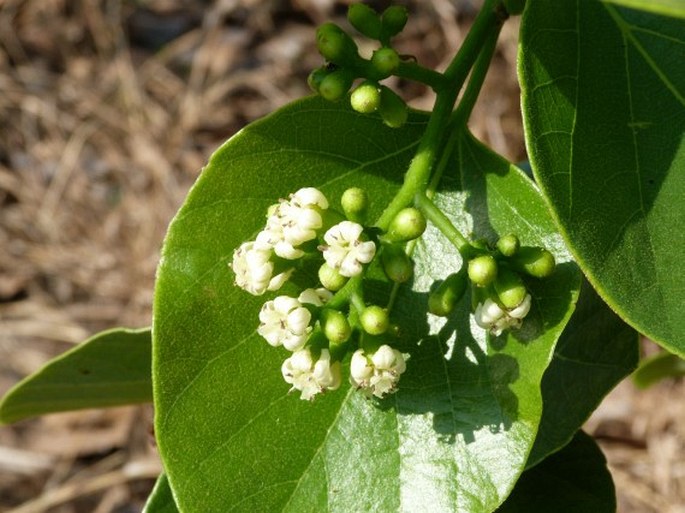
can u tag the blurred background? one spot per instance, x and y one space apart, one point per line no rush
108 111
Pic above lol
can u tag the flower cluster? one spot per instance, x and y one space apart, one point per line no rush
492 317
319 335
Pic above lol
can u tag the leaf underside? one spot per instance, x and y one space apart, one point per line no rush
161 499
456 435
604 109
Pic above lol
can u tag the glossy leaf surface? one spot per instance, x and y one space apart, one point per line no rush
161 499
574 479
604 108
595 352
660 366
112 368
456 435
674 8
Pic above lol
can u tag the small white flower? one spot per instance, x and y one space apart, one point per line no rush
378 374
284 321
490 316
345 251
311 377
254 270
316 297
294 221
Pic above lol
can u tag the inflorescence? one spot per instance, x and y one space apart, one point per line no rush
324 323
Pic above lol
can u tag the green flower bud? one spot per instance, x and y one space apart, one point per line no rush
336 327
335 45
331 279
396 263
537 262
508 245
355 202
509 288
446 296
393 20
375 320
365 20
316 77
335 85
385 61
482 270
514 7
366 98
393 109
408 224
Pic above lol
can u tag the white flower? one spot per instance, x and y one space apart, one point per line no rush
345 251
316 297
284 321
293 222
377 375
490 316
254 270
311 377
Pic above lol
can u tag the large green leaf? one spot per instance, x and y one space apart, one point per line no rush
604 109
111 368
660 366
595 352
456 435
575 479
161 499
674 8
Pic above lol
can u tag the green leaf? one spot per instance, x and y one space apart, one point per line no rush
675 8
574 479
457 433
111 368
658 367
603 103
161 499
595 352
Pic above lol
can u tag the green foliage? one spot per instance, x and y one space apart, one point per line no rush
675 8
111 368
603 96
573 480
161 500
221 395
660 366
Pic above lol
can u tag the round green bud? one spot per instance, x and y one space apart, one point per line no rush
537 262
336 327
385 61
366 98
396 263
408 224
375 320
508 245
365 20
331 279
446 296
354 203
393 109
335 85
393 20
482 270
334 44
509 288
316 77
514 7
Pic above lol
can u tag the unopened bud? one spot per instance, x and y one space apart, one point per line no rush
396 263
365 20
535 261
335 85
331 279
366 98
508 245
446 296
408 224
375 320
482 270
354 203
393 109
385 62
335 45
509 288
393 20
336 327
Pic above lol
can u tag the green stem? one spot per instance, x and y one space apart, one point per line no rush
442 223
488 21
413 71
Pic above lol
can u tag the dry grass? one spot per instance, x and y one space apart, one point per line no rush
108 111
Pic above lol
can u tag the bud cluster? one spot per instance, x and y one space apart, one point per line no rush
344 64
501 299
316 328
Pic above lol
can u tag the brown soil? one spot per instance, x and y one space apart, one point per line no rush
108 111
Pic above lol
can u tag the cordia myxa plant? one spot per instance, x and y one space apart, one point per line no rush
361 307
